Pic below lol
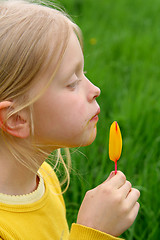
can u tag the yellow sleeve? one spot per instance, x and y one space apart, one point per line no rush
80 232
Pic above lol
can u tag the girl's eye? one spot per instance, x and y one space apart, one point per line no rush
74 84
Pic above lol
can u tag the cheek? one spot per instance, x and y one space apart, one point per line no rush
61 112
77 112
62 119
73 117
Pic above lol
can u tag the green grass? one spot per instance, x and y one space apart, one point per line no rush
125 63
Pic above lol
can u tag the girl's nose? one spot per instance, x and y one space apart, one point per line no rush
97 91
93 93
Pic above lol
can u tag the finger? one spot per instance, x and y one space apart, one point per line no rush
118 180
126 188
133 213
133 196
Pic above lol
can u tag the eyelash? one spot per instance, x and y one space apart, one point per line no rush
74 84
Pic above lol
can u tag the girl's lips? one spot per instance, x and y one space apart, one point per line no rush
95 117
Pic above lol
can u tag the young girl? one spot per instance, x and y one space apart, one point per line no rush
47 103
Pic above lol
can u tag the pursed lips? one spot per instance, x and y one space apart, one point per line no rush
95 117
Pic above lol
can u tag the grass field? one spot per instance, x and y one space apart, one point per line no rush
122 57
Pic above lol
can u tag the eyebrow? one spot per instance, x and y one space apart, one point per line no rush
78 65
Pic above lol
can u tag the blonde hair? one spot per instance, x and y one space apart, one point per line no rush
25 32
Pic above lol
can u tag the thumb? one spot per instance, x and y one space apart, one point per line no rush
112 174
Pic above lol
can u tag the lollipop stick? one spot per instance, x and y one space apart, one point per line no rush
115 166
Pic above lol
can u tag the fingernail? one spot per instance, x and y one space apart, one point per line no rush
112 173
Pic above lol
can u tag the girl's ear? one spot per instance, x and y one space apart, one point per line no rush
17 124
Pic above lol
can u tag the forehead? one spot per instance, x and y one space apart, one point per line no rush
73 57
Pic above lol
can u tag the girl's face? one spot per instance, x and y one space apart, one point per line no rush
67 113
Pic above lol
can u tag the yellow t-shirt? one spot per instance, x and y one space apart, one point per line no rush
41 215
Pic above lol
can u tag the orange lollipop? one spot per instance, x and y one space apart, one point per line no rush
115 143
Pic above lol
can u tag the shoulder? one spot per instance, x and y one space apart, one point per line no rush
51 180
48 173
49 176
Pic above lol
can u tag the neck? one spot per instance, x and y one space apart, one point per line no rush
15 178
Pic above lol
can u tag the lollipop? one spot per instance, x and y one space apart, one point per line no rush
115 143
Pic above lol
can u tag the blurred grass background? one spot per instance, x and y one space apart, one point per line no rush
122 57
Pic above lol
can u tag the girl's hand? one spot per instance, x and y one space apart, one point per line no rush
111 207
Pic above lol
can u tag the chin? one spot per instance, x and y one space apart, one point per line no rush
90 139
